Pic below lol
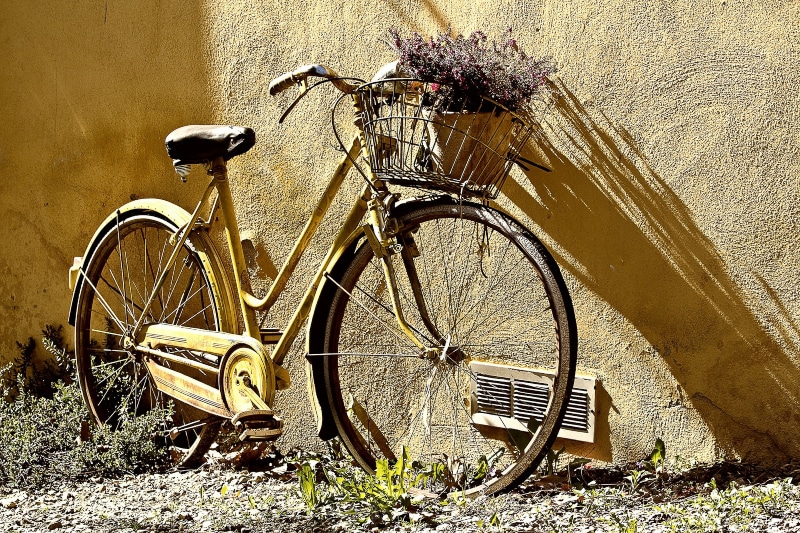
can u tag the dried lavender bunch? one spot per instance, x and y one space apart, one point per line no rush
473 66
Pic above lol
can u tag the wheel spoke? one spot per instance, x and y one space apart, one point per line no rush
127 261
487 297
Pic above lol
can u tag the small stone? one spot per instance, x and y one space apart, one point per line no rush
55 524
9 503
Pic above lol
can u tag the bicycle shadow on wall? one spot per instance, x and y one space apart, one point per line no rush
623 233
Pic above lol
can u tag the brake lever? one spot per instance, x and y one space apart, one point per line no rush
307 89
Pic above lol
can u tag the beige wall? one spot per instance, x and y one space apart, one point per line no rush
89 90
672 205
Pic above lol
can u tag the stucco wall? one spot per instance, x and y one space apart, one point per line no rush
89 90
672 205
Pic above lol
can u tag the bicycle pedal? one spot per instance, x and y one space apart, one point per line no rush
258 425
254 414
260 434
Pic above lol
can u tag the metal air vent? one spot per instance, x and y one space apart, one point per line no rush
510 396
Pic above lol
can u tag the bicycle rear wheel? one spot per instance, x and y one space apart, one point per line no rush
484 406
120 275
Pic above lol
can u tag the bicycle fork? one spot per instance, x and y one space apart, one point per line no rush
384 248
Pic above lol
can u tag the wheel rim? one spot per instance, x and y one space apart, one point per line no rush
489 294
119 279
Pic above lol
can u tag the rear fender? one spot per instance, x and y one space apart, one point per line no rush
175 215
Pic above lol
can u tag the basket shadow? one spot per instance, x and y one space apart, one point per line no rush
625 235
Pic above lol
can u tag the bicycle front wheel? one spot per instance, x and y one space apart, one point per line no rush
481 405
119 277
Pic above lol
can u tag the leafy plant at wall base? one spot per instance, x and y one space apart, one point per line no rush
393 494
42 417
308 485
38 378
637 477
53 342
658 456
551 461
39 440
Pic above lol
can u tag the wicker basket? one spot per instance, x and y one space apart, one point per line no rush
420 135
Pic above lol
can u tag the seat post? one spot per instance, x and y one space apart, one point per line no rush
219 171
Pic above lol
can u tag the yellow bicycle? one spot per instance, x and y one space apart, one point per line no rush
435 322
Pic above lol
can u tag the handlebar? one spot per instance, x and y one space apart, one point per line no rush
301 74
289 79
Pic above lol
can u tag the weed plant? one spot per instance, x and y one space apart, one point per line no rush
394 494
45 433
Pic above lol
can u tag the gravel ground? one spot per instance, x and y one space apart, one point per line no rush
201 500
215 499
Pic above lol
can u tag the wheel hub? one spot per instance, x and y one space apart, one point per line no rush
128 344
452 355
455 355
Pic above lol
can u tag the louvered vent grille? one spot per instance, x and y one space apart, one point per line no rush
576 417
530 400
494 395
522 394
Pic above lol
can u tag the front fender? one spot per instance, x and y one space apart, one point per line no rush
315 339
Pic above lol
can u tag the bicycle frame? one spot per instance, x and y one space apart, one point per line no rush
250 304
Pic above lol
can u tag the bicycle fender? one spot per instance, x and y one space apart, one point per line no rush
162 208
317 392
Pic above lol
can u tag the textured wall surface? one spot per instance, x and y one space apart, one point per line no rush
672 204
89 91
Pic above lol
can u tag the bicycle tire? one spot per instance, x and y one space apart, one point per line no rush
430 405
127 257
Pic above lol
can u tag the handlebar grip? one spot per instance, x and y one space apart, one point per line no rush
285 81
281 83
